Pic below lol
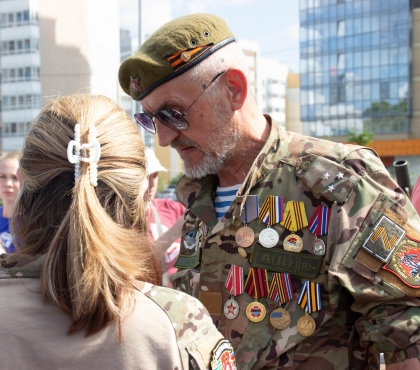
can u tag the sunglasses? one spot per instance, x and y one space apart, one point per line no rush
169 117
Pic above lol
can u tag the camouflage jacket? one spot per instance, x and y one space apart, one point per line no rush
366 308
197 339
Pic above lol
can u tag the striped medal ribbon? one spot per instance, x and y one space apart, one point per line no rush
235 285
294 219
256 286
318 225
310 300
281 291
271 213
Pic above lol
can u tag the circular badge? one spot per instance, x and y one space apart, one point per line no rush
255 311
190 240
306 325
231 309
245 237
242 252
293 243
318 247
185 56
280 318
268 237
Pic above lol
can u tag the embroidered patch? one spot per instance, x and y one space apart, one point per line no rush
405 262
223 356
383 239
134 84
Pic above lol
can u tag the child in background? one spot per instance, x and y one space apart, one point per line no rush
9 191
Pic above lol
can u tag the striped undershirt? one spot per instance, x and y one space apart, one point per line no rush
224 198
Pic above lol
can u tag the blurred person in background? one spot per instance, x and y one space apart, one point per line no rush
165 218
415 196
9 191
79 292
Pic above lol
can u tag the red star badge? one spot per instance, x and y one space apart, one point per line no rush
231 309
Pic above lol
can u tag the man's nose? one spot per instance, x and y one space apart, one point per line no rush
165 134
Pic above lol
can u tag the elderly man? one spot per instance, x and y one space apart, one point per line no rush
301 249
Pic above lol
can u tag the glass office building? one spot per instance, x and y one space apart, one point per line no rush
355 66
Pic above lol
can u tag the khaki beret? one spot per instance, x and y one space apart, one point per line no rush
172 50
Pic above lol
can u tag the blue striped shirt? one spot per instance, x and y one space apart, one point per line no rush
224 198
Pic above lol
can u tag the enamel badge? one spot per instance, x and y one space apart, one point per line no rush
383 239
223 356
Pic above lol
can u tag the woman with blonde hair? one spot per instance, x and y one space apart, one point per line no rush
9 191
79 292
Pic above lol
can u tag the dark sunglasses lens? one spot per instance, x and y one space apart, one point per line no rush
172 118
146 122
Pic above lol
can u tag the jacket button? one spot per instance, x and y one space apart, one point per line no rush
306 165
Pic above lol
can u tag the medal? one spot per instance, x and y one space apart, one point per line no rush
318 225
310 300
293 243
256 286
231 309
242 252
244 237
318 247
190 239
235 285
281 291
255 311
268 237
271 213
280 318
306 325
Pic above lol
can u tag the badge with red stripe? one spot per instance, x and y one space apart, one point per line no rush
405 262
184 57
256 286
235 285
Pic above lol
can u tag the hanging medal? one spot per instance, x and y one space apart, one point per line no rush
310 300
281 291
294 220
235 285
245 235
256 286
271 213
318 225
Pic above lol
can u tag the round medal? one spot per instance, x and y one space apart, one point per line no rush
306 325
268 237
242 252
318 247
244 237
255 311
293 243
231 309
190 240
280 318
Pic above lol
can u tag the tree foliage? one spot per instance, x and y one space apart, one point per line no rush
364 138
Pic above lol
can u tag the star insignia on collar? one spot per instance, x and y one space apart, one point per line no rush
326 176
340 175
134 84
331 188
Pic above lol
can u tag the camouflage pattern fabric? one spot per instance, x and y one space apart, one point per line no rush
365 309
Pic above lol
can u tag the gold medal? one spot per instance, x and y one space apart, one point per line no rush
280 318
245 237
231 309
242 252
293 243
255 311
306 325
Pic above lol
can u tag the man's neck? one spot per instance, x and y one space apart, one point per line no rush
237 168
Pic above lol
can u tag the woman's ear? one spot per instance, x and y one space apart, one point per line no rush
238 86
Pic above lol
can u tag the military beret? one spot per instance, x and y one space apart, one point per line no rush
172 50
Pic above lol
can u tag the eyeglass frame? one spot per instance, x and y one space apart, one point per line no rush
152 116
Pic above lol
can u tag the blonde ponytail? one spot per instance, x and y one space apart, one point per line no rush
95 238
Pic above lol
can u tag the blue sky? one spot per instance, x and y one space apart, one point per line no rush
274 24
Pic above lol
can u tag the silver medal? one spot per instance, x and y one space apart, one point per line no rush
190 239
231 309
268 237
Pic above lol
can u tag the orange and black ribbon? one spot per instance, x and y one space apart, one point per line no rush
256 284
281 289
184 57
294 216
310 297
272 210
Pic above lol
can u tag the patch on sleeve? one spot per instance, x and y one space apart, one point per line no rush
383 239
223 356
405 262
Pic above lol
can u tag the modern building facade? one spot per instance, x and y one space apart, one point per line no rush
51 48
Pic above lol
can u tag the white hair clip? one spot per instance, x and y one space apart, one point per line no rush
73 153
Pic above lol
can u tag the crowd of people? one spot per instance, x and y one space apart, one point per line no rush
295 252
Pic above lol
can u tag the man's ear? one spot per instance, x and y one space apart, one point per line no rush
238 86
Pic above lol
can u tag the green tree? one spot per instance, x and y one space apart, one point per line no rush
364 138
